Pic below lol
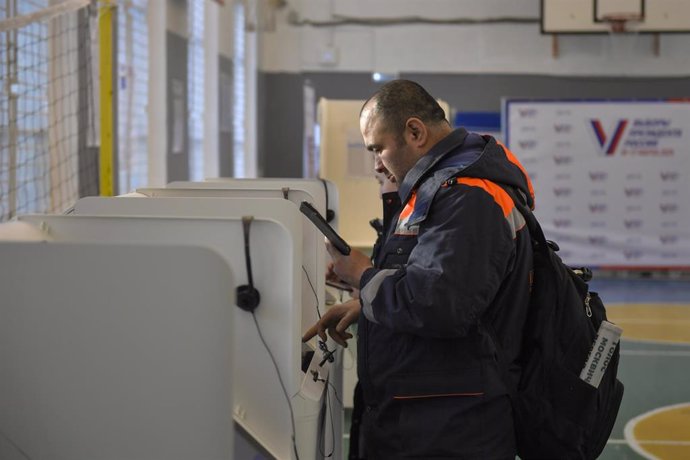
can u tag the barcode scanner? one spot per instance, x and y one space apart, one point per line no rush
317 219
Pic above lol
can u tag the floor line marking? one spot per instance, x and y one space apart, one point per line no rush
674 353
655 341
629 429
652 321
665 443
616 441
675 303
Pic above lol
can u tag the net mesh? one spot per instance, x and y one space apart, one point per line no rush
48 156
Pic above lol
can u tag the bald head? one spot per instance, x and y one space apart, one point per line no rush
397 101
400 124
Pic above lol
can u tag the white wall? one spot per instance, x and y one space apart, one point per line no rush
225 25
177 17
482 48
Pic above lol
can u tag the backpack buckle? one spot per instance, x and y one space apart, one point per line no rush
584 273
553 245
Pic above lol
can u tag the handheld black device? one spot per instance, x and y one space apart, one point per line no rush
318 220
341 286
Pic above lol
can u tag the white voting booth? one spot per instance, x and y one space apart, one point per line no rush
260 404
312 259
268 396
323 194
293 190
113 350
195 203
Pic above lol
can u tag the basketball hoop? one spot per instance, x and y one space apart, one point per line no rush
619 22
623 33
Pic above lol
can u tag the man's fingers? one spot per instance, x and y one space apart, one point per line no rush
337 337
343 324
322 331
311 332
327 321
348 318
318 328
334 321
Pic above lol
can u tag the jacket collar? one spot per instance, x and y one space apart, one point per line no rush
449 143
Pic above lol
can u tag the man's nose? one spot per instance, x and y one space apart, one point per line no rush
378 164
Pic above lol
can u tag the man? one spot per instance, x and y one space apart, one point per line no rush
441 313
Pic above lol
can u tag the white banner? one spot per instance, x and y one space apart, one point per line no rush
610 177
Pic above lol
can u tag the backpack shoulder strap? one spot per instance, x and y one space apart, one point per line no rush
539 243
535 230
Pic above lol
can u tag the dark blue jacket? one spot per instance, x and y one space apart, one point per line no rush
450 287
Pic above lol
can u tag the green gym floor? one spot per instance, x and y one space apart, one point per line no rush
654 420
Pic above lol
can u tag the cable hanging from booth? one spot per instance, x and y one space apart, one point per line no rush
248 299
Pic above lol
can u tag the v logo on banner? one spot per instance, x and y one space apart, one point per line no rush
606 145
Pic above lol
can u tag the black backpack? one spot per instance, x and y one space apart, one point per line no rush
557 415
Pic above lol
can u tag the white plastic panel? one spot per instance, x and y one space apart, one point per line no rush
276 247
312 258
115 351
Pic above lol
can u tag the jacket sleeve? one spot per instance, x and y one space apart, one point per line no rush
464 251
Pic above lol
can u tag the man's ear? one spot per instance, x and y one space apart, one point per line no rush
416 131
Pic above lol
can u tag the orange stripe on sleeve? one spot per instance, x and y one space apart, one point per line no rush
499 195
514 160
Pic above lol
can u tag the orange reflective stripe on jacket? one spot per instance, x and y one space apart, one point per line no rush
514 160
499 195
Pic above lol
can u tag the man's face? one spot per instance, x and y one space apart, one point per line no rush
392 155
385 179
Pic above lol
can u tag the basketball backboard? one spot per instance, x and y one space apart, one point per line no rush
594 16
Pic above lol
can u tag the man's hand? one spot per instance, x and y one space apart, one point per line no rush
336 320
348 268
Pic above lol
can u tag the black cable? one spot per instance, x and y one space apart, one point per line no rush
316 296
282 385
325 406
17 448
246 222
325 190
328 356
330 214
335 392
